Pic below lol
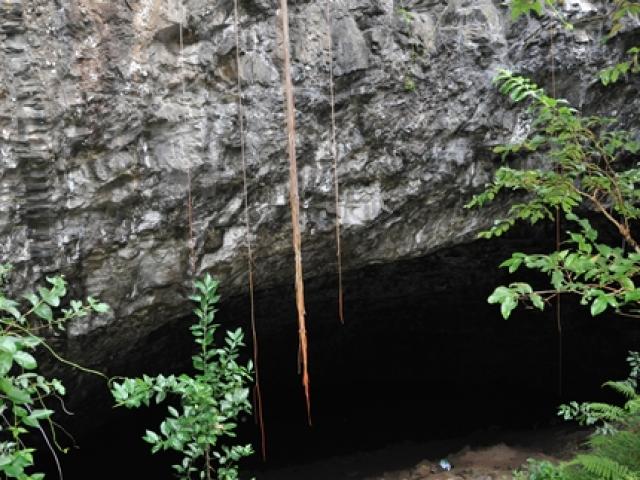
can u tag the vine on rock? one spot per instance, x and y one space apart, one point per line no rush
24 392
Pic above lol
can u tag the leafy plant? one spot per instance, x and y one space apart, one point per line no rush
607 418
526 7
621 9
613 74
405 15
23 391
521 8
586 166
589 156
409 83
539 470
210 401
613 450
408 17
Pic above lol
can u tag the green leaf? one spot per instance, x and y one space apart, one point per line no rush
100 307
9 306
508 305
499 294
58 386
32 298
599 305
41 413
9 344
49 296
44 311
33 420
557 279
537 301
6 362
25 360
151 437
627 283
15 394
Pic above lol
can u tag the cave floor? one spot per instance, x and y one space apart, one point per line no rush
483 455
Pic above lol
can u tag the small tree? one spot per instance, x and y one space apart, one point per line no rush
210 401
592 174
587 167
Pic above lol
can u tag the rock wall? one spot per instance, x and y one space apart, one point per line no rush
104 123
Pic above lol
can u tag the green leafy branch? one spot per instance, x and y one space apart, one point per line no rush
521 8
585 152
408 17
601 275
23 391
613 74
621 9
585 160
210 402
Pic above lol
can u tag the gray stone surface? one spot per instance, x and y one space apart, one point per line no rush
103 121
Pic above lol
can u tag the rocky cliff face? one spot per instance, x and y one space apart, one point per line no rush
105 122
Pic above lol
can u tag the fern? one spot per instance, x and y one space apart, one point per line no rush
623 447
633 406
607 413
613 450
624 388
602 467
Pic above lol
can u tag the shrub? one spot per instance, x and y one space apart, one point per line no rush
210 401
613 450
23 391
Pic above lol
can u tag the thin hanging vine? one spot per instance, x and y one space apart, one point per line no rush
334 154
558 305
192 252
294 200
257 391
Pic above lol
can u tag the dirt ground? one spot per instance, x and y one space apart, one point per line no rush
496 462
492 455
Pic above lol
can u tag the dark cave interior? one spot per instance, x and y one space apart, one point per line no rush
421 356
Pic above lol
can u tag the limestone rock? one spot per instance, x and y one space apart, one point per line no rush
106 123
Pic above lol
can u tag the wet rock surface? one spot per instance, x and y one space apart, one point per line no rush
105 122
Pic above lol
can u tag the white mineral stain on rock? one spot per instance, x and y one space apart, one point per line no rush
360 206
150 221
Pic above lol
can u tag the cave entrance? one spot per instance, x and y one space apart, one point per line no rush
422 357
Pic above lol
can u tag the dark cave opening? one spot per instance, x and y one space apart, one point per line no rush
421 357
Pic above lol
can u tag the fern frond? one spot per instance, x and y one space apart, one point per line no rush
603 468
622 447
604 411
625 388
518 88
633 406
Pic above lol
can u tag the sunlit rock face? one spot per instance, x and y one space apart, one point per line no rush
106 121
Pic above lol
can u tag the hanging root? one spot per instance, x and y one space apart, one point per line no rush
558 226
192 252
257 393
294 201
191 240
334 153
